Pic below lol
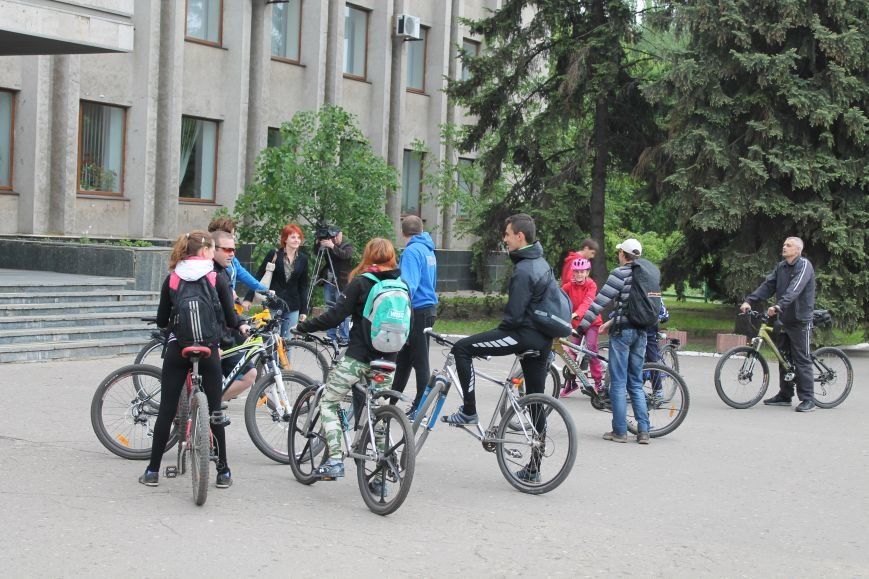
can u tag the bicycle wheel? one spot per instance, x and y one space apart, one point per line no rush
306 359
669 357
665 414
267 412
306 444
124 409
537 456
385 478
551 387
200 446
834 376
738 380
424 414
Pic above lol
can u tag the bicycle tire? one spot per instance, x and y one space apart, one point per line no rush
508 454
131 395
423 416
670 358
831 376
397 465
665 415
745 379
306 449
266 425
306 359
200 447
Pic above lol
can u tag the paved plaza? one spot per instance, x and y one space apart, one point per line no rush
764 492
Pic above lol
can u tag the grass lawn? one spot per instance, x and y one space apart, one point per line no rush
702 321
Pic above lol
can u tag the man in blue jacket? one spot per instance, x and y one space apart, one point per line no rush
419 271
234 270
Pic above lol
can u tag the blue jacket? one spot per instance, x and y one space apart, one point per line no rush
238 273
419 270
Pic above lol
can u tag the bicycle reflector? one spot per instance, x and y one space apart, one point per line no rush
516 381
379 378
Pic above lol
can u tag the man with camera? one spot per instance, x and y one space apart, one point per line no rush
335 272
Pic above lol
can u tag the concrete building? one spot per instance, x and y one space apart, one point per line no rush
150 137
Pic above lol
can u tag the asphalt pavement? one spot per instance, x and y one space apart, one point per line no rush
764 492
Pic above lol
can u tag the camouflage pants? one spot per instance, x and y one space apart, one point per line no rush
341 380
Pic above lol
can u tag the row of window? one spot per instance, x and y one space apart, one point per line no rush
204 24
102 131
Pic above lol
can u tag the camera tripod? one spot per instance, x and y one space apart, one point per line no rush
323 256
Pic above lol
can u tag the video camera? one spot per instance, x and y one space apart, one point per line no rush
325 231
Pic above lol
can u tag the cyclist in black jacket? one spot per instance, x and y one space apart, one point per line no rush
793 283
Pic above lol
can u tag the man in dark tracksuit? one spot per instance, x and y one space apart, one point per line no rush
793 283
516 333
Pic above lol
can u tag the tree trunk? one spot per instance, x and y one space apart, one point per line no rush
597 203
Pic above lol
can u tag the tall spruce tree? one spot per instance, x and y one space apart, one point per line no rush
557 109
766 111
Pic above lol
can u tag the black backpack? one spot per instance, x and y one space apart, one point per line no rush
551 313
197 317
644 300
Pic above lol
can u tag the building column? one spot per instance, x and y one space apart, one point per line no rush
259 83
333 84
65 87
169 109
33 134
395 89
142 119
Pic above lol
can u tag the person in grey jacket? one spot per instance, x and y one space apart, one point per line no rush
793 283
516 332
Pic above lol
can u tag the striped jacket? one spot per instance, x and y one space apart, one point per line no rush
794 286
617 287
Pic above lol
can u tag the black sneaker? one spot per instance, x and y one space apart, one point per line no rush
330 470
224 479
528 475
778 400
150 479
806 406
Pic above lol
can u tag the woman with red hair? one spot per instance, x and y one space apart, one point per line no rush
379 260
290 276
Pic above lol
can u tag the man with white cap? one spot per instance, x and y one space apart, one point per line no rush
632 315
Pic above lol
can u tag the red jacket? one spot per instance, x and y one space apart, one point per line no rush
581 296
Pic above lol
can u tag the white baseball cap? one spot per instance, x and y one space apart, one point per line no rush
631 246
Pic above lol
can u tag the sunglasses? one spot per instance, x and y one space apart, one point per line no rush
227 249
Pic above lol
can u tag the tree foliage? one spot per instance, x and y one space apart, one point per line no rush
766 111
323 170
558 108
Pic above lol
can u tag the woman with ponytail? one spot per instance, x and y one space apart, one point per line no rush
191 260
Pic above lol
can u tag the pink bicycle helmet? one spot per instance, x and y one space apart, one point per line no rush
580 263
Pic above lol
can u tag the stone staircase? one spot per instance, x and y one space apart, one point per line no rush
53 316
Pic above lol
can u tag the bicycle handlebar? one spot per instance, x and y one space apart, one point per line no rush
442 341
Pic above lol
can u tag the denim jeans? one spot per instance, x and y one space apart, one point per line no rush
330 295
290 321
627 350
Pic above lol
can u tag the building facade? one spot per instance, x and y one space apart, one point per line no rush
150 138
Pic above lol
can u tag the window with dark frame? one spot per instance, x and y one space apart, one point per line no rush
471 49
416 56
198 167
287 30
355 42
274 138
7 124
205 21
411 182
101 148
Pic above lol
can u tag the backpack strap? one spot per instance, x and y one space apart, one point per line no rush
174 281
371 276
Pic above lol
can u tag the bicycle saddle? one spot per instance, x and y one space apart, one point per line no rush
384 366
196 351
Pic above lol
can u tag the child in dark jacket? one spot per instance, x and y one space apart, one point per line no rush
581 289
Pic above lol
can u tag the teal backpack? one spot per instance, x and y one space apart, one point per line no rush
388 311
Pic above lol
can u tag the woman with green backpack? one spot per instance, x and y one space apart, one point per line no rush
379 304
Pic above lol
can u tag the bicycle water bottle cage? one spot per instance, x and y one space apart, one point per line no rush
202 351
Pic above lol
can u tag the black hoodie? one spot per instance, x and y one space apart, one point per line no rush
528 283
352 303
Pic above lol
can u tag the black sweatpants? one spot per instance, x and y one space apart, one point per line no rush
797 338
414 354
499 342
175 369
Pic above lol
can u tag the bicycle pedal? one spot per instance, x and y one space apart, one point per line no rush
220 418
171 472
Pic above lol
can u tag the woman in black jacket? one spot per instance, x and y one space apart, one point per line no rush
290 276
379 260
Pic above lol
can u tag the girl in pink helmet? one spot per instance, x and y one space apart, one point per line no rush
581 289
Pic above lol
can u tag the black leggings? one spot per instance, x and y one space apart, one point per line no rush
502 343
414 354
175 369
